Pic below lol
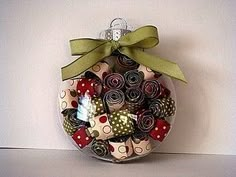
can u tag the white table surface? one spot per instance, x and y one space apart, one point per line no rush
58 163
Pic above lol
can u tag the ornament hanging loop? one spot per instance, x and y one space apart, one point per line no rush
118 28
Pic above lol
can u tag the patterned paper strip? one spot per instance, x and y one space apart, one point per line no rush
164 107
121 123
81 137
100 127
148 73
100 148
98 107
99 70
69 128
134 99
114 99
68 99
133 78
141 144
121 148
151 89
89 86
123 64
114 81
145 120
160 130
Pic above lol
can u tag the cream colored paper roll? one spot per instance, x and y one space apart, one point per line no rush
121 150
100 127
68 99
100 69
141 146
147 72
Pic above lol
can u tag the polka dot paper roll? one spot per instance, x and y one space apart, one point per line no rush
160 130
98 107
141 144
121 123
81 137
101 128
68 99
100 70
69 128
92 87
121 148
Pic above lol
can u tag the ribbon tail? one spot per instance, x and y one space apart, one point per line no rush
86 61
155 63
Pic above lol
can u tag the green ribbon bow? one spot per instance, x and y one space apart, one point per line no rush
131 45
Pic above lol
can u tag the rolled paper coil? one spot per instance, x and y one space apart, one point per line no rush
100 148
99 70
91 87
101 128
114 81
68 99
121 148
145 120
114 100
133 78
134 99
164 107
121 122
123 64
141 144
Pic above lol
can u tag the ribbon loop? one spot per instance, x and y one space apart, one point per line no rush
95 50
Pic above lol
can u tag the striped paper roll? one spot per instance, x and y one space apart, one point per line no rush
145 120
114 81
133 78
114 99
123 64
134 99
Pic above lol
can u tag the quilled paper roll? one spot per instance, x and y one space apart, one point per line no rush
68 99
114 99
121 123
71 116
148 73
100 128
123 64
145 120
134 99
82 137
141 144
133 78
92 87
69 128
160 130
114 81
121 148
164 107
98 107
100 148
99 70
151 89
